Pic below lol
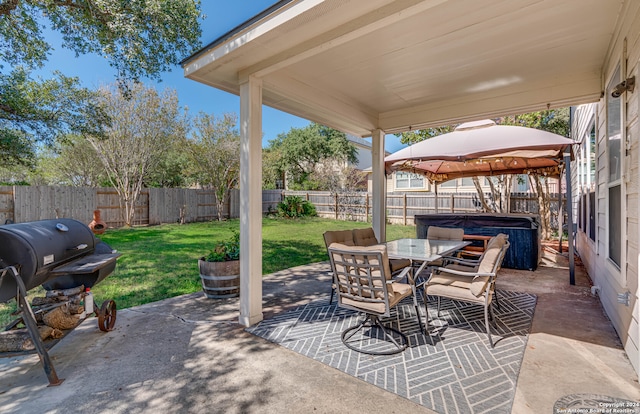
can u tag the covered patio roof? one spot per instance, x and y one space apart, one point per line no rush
398 65
371 67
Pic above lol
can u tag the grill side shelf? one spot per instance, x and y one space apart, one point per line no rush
86 264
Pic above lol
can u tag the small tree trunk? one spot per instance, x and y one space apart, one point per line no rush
543 207
483 201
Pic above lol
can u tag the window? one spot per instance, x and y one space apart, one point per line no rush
592 215
522 183
467 182
592 157
409 181
585 211
614 146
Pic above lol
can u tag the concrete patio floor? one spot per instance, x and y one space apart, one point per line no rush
188 354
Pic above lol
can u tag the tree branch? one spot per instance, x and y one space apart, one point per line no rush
8 109
7 6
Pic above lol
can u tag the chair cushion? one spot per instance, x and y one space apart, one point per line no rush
400 291
398 264
454 292
444 233
476 285
364 237
491 255
338 236
397 292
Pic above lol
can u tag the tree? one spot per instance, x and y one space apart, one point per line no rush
411 137
301 150
138 38
38 111
73 161
143 124
272 174
214 152
169 170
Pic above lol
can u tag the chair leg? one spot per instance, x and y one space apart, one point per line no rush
495 295
375 323
426 308
438 313
415 304
332 293
486 322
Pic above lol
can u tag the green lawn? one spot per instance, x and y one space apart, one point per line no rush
161 261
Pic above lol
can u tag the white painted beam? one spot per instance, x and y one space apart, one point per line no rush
378 186
368 23
251 202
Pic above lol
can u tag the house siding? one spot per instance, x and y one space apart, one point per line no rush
604 274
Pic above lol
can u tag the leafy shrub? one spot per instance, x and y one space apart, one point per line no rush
225 250
294 207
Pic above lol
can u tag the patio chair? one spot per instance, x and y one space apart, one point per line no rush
364 284
470 284
337 236
443 233
471 263
367 237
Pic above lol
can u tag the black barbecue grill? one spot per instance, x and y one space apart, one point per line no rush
57 254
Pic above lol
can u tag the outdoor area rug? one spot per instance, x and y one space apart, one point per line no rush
451 369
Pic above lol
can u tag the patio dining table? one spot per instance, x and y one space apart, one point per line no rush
423 250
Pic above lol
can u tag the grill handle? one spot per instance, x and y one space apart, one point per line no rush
81 246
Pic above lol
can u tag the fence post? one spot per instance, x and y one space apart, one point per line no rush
404 209
307 196
336 205
453 203
366 207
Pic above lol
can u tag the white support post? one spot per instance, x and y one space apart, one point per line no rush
378 187
251 202
567 166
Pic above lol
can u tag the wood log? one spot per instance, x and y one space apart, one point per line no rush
15 341
60 318
65 292
75 309
18 340
40 301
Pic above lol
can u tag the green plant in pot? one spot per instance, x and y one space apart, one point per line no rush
220 269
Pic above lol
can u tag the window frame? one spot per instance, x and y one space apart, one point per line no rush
615 233
410 177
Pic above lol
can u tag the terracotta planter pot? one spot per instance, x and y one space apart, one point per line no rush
220 279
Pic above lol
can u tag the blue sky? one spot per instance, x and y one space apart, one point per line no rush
221 16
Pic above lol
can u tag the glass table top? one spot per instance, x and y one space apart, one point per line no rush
423 249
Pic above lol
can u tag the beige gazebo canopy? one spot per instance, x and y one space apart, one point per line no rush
483 148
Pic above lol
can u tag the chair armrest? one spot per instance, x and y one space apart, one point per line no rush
464 262
461 273
404 272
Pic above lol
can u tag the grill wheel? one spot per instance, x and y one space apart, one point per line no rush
107 315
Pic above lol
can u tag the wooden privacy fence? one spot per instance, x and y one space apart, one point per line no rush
171 205
155 205
402 207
